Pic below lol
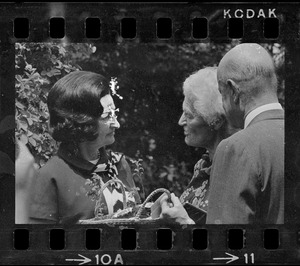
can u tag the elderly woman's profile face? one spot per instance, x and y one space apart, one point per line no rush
196 130
107 123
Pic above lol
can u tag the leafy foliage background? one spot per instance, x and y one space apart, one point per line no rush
150 77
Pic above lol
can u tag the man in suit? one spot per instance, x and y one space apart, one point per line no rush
247 177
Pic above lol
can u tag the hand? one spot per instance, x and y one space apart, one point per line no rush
174 211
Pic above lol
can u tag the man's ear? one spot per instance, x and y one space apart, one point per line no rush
234 90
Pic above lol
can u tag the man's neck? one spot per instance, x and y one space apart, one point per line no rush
255 112
266 99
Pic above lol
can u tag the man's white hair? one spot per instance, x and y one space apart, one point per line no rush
251 66
203 97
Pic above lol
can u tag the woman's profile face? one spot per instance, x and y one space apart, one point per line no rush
107 123
196 130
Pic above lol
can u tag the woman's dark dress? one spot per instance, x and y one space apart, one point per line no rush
61 189
197 191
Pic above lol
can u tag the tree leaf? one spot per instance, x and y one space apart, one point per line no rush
32 141
29 120
19 78
19 105
23 125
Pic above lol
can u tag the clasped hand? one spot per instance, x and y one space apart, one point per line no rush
173 211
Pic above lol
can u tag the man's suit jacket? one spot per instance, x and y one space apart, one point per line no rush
247 178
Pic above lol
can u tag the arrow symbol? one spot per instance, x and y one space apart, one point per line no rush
84 260
230 259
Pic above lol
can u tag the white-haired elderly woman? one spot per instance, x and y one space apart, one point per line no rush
205 125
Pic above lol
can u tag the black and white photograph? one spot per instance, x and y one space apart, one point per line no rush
186 134
149 133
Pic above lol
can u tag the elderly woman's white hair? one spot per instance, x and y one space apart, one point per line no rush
202 95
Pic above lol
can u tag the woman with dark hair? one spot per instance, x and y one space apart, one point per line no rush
83 119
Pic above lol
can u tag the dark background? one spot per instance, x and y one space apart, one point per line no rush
150 72
150 78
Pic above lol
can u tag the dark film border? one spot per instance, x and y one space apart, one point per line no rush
146 15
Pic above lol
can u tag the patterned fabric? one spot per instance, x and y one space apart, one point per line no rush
197 190
60 193
111 199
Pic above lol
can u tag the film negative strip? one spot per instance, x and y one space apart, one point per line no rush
149 133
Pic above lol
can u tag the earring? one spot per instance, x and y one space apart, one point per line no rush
214 124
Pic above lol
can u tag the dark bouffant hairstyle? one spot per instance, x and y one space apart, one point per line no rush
74 106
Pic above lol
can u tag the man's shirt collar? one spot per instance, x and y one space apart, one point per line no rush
259 110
